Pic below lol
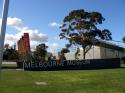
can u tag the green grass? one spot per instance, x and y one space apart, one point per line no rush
77 81
9 65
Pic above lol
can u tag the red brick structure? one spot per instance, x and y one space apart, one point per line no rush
24 46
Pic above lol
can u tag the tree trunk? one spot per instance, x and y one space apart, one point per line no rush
84 54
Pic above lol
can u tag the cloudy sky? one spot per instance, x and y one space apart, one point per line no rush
42 18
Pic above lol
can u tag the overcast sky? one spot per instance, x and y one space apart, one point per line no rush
42 18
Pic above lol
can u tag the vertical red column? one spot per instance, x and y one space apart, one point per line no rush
27 41
19 47
24 45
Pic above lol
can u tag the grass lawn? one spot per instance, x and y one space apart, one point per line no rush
77 81
9 65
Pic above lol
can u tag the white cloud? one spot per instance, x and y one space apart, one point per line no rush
54 24
10 39
14 22
36 37
54 46
33 44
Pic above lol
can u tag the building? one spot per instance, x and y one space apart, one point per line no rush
24 46
105 50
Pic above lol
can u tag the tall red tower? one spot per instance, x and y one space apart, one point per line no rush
24 46
27 41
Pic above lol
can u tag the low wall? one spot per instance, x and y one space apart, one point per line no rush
70 64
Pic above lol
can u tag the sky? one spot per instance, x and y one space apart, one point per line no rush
42 18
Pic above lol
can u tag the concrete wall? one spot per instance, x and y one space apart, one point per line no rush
97 53
93 53
70 56
111 53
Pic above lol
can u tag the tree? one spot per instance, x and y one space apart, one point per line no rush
40 52
77 53
80 28
10 54
64 50
62 56
123 39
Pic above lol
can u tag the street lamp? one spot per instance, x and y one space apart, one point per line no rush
3 29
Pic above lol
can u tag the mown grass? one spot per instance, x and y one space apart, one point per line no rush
9 65
76 81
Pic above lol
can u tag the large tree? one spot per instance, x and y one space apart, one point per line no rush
123 39
80 28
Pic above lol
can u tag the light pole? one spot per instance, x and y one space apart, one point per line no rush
3 29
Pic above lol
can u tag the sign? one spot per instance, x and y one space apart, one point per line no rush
71 64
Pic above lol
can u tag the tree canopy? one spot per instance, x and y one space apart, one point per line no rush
123 39
10 54
40 53
80 28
